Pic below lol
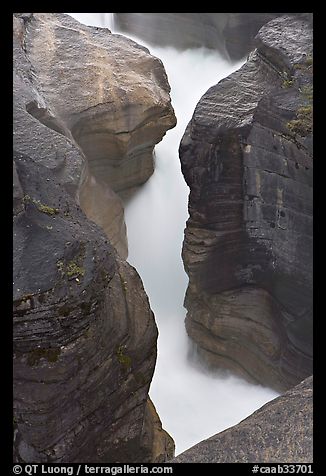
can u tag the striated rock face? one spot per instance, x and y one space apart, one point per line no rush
229 33
247 158
84 333
279 432
103 91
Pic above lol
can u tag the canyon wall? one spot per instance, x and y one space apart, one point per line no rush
230 33
89 107
247 158
85 103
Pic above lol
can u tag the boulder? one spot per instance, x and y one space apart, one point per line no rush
247 157
279 432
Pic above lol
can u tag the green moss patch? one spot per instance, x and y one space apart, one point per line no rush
123 359
307 92
309 60
302 124
46 209
287 83
41 206
70 269
73 270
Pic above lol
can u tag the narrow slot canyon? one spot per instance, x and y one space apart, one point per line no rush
182 389
162 283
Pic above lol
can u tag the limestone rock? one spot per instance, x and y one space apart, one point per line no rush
40 134
247 158
117 109
156 439
240 30
37 132
230 33
90 106
279 432
84 333
104 207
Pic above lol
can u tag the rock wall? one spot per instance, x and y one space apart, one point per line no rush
84 333
279 432
105 92
230 33
247 158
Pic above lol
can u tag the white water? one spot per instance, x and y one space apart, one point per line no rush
191 403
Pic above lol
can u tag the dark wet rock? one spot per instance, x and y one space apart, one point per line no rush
230 33
84 333
279 432
247 158
37 132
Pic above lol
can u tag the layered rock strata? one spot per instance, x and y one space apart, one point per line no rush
230 33
104 91
279 432
247 158
84 333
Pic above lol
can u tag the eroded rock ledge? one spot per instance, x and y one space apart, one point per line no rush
247 158
102 90
84 333
279 432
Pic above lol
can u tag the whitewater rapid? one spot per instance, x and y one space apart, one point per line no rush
192 403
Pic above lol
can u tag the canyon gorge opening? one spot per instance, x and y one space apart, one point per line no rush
186 137
192 402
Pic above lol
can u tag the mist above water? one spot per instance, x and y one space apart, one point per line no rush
192 403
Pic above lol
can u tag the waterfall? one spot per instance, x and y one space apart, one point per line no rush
192 403
104 20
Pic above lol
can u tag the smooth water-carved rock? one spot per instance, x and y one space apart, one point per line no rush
104 207
84 333
102 91
230 33
247 158
156 439
280 431
36 130
109 91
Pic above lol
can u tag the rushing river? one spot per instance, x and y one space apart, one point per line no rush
192 403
